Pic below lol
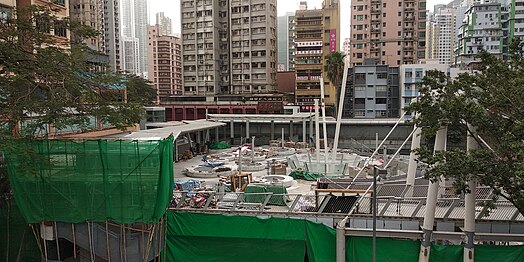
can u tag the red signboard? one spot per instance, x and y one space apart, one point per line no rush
333 40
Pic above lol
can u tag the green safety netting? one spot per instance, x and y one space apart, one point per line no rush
206 237
360 249
17 241
219 145
488 253
306 175
96 180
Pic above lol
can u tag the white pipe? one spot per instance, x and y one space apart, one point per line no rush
469 199
376 150
317 135
431 202
324 125
398 150
340 110
253 149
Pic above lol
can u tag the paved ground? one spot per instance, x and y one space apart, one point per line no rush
299 187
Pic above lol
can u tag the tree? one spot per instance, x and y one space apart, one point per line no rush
55 82
334 68
46 80
491 100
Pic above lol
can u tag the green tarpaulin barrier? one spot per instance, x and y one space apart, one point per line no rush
260 198
17 241
209 237
219 145
206 237
446 253
360 249
484 253
96 180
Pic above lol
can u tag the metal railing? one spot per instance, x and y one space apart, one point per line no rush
339 205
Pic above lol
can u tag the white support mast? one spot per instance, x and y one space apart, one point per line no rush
340 110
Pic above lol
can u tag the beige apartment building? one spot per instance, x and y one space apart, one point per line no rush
317 35
164 57
393 32
229 47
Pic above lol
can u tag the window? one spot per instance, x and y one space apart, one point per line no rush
360 17
408 74
381 88
418 74
360 88
381 101
360 76
382 75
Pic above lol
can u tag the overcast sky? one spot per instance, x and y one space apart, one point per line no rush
172 9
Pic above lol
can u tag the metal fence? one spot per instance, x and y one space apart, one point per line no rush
339 205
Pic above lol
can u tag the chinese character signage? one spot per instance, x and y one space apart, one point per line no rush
333 40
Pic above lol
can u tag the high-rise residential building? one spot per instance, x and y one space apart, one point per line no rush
133 21
286 42
411 76
90 13
440 40
111 31
317 35
393 32
346 48
165 63
372 91
229 47
481 29
60 9
164 23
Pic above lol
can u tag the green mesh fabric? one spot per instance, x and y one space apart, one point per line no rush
96 180
17 241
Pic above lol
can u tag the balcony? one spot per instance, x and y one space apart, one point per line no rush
309 52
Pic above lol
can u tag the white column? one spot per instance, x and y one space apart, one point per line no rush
431 202
272 129
304 130
341 241
469 219
317 135
247 129
340 110
291 130
231 132
324 128
412 165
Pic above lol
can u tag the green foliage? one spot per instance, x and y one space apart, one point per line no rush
334 67
53 81
492 101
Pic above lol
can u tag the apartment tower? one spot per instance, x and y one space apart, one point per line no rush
317 35
229 47
393 32
286 42
164 23
441 35
134 36
165 63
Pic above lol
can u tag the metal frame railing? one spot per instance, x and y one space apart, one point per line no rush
320 204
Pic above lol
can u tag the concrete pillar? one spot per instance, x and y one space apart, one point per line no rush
216 134
247 129
198 137
310 126
341 241
469 219
272 130
231 132
290 130
304 130
431 202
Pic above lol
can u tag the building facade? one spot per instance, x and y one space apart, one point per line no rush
229 47
411 76
164 23
133 22
317 35
392 32
441 35
286 42
165 63
372 91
